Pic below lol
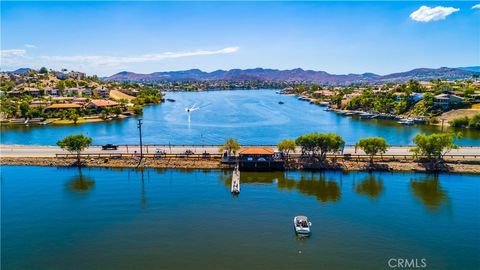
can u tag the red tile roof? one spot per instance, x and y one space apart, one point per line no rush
103 103
256 151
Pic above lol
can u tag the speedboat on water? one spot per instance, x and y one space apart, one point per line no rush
302 225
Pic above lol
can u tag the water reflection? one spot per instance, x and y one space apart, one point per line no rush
81 183
429 192
370 186
325 190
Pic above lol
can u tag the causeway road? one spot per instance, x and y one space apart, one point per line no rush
51 151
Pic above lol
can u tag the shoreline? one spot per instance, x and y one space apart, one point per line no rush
455 167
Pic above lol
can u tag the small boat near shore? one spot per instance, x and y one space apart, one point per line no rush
406 122
366 116
280 102
302 225
170 100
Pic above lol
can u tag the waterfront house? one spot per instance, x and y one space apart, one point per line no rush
64 106
447 100
100 104
260 159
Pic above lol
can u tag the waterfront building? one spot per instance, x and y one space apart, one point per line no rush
64 106
260 159
100 104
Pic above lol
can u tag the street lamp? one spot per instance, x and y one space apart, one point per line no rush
139 125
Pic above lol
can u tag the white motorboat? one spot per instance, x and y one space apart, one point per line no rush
406 122
302 225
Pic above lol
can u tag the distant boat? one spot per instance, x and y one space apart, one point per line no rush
171 100
302 225
280 102
327 109
406 122
366 116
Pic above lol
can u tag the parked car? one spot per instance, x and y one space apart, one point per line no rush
109 147
189 152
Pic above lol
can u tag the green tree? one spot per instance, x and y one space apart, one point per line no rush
137 109
287 146
75 143
117 110
43 70
24 109
460 122
474 121
230 145
73 115
317 145
434 146
372 146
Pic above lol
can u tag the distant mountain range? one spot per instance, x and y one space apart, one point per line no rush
322 77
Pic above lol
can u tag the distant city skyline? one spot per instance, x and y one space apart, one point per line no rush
338 37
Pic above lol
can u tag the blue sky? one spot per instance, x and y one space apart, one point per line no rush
339 37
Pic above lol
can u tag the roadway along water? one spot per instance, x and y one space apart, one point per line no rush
58 218
252 116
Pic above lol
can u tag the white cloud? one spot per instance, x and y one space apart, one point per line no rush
29 46
477 6
428 14
117 60
12 53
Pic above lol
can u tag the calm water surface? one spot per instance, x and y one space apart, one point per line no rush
252 116
124 219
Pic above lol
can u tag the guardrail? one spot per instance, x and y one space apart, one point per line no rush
219 156
158 156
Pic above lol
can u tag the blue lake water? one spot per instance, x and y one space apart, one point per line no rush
63 218
251 116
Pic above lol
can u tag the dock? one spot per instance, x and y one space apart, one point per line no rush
235 188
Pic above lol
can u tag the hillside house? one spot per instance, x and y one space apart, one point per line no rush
102 92
447 100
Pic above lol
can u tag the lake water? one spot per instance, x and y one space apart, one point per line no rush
252 116
60 218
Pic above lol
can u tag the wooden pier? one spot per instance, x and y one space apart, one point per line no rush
235 188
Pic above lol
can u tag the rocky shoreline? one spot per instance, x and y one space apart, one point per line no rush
463 167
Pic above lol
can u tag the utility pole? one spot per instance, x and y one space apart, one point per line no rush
139 125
